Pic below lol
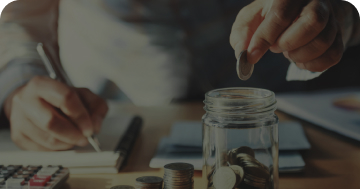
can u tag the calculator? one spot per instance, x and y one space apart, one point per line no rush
32 177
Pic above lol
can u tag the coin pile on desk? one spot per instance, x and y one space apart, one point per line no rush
244 171
178 176
122 187
149 182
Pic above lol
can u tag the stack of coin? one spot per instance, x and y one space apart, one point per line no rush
122 187
149 182
243 171
256 174
178 176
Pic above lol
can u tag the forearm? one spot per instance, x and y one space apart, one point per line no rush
22 25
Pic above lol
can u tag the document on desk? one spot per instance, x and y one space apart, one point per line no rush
79 159
189 134
185 145
319 108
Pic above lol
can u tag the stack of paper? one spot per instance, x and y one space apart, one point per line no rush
185 145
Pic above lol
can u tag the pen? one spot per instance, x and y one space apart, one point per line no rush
62 76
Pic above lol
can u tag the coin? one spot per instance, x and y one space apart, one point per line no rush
149 182
179 166
149 179
178 176
245 150
224 178
122 187
243 68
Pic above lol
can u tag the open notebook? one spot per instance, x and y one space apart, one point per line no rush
117 135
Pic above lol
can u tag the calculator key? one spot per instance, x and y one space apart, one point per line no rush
33 169
37 182
20 177
13 167
11 182
54 169
41 177
25 172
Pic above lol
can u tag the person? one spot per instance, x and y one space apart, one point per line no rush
155 52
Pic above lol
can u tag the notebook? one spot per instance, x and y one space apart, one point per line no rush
185 145
320 109
117 135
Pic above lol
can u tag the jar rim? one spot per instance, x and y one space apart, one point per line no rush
240 100
269 94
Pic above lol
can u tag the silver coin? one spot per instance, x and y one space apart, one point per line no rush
243 68
122 187
149 179
224 178
179 166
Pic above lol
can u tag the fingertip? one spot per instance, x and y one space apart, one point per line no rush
87 127
275 49
254 56
286 54
97 123
83 142
301 66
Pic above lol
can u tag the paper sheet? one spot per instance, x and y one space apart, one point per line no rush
112 130
318 108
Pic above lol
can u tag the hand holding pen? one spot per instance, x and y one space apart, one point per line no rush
36 122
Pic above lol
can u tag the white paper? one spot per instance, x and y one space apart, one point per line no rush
80 157
318 109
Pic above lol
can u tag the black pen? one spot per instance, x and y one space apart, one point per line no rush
62 76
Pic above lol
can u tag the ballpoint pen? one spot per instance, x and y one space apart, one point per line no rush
62 76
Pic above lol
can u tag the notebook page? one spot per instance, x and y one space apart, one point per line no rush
112 130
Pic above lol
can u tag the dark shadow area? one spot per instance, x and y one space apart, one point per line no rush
89 183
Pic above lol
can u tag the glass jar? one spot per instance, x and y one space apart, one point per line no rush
240 139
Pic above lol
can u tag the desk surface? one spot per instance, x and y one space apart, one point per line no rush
332 163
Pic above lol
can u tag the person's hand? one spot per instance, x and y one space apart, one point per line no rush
36 122
312 33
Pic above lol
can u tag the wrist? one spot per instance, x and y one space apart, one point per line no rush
8 102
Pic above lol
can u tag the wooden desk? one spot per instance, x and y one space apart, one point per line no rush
332 163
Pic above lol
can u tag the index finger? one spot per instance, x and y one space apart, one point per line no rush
66 99
277 20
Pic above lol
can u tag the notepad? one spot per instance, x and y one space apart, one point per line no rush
79 159
185 145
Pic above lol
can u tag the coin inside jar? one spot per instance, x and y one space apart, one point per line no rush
224 178
243 68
